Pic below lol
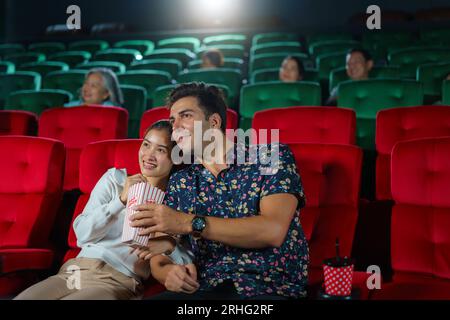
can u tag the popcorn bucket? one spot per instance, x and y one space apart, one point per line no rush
338 275
139 193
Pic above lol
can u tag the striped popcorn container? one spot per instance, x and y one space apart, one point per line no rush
139 193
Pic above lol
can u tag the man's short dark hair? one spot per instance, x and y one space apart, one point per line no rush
210 99
366 54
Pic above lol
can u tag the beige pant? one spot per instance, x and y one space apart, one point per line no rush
86 279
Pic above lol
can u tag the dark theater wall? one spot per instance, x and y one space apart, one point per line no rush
28 19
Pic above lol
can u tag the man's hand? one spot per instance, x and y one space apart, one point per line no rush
160 218
182 278
155 246
137 178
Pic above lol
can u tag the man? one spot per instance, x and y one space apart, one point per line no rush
242 221
358 65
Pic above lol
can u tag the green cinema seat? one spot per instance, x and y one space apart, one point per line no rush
409 59
135 99
149 79
20 80
436 36
325 47
228 50
116 67
161 93
37 100
262 96
47 48
10 48
321 37
225 39
231 78
171 66
189 43
367 97
45 67
340 74
271 60
329 61
7 67
277 47
25 57
183 55
143 46
272 74
446 92
72 58
125 56
91 46
431 76
231 63
261 38
70 81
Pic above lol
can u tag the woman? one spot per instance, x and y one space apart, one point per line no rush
212 58
291 70
100 87
106 268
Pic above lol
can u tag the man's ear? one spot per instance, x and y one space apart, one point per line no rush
369 65
215 121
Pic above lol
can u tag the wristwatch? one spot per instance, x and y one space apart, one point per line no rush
198 225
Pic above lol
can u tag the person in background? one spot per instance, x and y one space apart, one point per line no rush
359 62
100 87
212 58
291 70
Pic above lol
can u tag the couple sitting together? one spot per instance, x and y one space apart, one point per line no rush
225 230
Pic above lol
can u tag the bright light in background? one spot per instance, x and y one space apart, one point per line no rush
214 10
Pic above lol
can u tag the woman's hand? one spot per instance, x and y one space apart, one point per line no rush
156 246
137 178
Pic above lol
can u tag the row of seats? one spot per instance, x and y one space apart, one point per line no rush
318 125
330 174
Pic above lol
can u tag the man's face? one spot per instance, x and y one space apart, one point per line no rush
182 116
357 66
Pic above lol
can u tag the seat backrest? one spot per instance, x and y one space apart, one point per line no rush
231 78
401 124
271 60
91 46
30 189
37 101
71 81
273 37
77 127
329 61
116 67
308 124
96 158
446 92
189 43
261 96
149 79
45 67
151 116
431 76
410 58
171 66
367 97
15 122
420 241
143 46
330 175
183 55
47 47
125 56
72 58
20 80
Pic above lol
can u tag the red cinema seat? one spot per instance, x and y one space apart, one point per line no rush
420 223
30 194
400 124
78 126
96 158
16 122
309 124
331 179
159 113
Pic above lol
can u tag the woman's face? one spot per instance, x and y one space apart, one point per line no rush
154 154
289 71
93 90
